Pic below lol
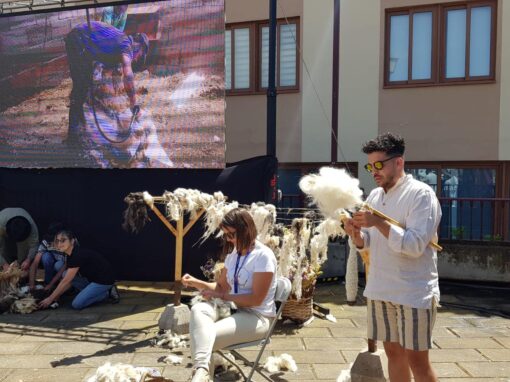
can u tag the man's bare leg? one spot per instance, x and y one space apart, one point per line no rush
420 366
398 364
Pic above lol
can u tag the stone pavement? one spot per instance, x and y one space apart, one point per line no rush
64 345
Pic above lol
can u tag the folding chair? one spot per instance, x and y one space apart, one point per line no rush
283 288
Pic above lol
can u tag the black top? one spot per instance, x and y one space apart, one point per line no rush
92 265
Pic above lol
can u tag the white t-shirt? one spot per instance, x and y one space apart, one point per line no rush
261 259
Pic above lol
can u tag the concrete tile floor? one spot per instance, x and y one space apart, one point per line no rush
65 345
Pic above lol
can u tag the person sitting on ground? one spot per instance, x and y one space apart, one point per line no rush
19 238
248 279
52 259
87 271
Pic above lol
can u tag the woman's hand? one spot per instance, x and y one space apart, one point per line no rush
45 303
189 281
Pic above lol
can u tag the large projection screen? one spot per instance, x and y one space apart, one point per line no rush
124 85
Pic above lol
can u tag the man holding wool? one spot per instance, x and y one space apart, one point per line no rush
402 290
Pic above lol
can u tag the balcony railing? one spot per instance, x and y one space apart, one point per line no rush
475 219
484 219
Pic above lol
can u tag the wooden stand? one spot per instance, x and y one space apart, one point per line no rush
179 231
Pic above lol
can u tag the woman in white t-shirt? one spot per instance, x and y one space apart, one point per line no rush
248 279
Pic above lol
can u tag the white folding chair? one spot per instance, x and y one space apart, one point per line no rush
283 289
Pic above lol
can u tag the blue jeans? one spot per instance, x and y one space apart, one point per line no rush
90 292
51 266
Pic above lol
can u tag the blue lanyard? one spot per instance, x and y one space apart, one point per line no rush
237 270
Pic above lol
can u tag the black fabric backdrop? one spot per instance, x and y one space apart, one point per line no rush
90 202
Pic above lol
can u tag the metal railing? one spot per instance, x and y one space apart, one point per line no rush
481 219
475 219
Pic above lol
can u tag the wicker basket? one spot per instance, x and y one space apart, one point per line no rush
298 311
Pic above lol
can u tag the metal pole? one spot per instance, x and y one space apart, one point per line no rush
271 85
336 74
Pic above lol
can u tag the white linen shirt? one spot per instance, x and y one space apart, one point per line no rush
403 267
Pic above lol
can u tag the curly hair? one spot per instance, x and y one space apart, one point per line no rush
389 143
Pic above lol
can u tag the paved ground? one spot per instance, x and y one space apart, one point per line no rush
64 345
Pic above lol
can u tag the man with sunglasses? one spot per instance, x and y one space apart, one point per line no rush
402 290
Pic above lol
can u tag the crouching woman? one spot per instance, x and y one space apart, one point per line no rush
248 279
87 271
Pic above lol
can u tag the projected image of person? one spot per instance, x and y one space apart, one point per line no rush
98 42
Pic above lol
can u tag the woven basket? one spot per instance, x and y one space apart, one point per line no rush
298 311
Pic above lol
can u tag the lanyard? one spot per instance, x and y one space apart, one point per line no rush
237 270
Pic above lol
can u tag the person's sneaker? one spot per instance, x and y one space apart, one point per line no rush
114 295
200 375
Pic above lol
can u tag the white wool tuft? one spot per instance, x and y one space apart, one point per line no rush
214 215
332 189
173 359
286 254
283 362
345 376
148 199
223 308
328 228
171 340
264 216
122 373
24 306
219 363
351 277
184 200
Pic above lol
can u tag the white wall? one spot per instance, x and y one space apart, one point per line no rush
360 29
317 46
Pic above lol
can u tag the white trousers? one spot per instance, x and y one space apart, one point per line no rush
207 333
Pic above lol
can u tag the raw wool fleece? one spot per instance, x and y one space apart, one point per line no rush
183 200
264 216
283 362
223 308
122 373
332 190
214 215
12 299
171 340
351 276
301 232
220 364
24 306
136 215
328 228
173 359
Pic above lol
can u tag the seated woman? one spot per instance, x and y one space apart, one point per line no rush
53 260
248 279
87 271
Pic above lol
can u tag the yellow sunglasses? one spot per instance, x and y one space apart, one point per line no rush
379 165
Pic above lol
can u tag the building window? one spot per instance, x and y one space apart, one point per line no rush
461 48
467 194
247 44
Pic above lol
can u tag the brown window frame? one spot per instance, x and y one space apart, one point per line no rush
438 65
232 28
256 55
468 7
